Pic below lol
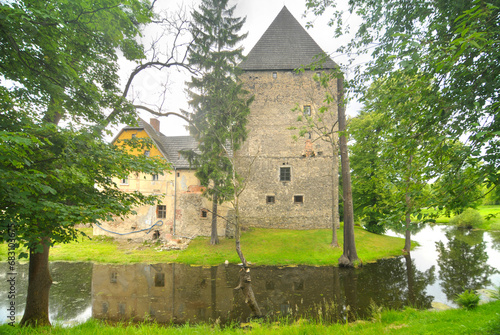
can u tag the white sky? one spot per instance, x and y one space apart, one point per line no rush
259 15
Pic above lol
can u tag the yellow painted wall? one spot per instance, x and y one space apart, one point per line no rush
180 192
127 135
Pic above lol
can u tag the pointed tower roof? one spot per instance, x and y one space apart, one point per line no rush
284 46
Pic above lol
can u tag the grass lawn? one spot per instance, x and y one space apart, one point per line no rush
260 246
485 319
491 224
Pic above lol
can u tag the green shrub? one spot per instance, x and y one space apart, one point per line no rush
470 218
468 299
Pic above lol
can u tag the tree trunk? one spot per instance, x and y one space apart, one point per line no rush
335 194
215 238
350 255
410 274
36 312
245 286
408 208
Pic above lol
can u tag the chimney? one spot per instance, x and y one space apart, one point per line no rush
155 123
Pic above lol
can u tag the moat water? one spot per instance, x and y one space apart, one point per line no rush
447 261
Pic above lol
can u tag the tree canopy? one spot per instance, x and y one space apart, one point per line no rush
454 43
59 90
220 105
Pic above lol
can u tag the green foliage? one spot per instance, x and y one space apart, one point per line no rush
371 187
220 105
470 218
455 45
468 299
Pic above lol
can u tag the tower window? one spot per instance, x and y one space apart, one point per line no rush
270 199
285 173
275 75
307 110
204 213
298 199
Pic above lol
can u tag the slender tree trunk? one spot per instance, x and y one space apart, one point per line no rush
36 312
410 274
350 255
213 277
408 203
335 194
245 283
215 238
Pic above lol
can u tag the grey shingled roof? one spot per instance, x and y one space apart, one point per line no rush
284 46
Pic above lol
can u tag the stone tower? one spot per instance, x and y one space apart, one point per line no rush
289 182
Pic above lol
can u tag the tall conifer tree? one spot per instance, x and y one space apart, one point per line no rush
219 104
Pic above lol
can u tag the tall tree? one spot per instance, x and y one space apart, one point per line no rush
411 154
371 185
323 123
218 101
58 62
350 255
454 42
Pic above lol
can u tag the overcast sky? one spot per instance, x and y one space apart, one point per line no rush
259 15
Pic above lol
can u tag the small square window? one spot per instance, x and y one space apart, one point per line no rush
204 214
270 199
146 153
155 177
161 211
124 181
114 277
159 280
307 110
122 308
298 199
275 75
285 173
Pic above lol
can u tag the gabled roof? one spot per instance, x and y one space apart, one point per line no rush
284 46
169 146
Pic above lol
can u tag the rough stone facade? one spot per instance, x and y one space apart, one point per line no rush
180 194
305 201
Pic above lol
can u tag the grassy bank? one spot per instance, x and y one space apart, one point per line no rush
491 210
260 246
483 320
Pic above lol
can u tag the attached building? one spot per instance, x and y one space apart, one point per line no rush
288 182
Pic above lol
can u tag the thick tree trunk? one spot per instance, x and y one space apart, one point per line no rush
214 236
36 312
335 194
410 274
350 255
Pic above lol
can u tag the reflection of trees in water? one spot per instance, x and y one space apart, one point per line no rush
392 285
71 291
415 227
462 263
495 239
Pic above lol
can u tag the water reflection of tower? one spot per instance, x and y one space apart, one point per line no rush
163 292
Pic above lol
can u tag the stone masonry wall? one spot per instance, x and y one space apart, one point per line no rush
270 146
